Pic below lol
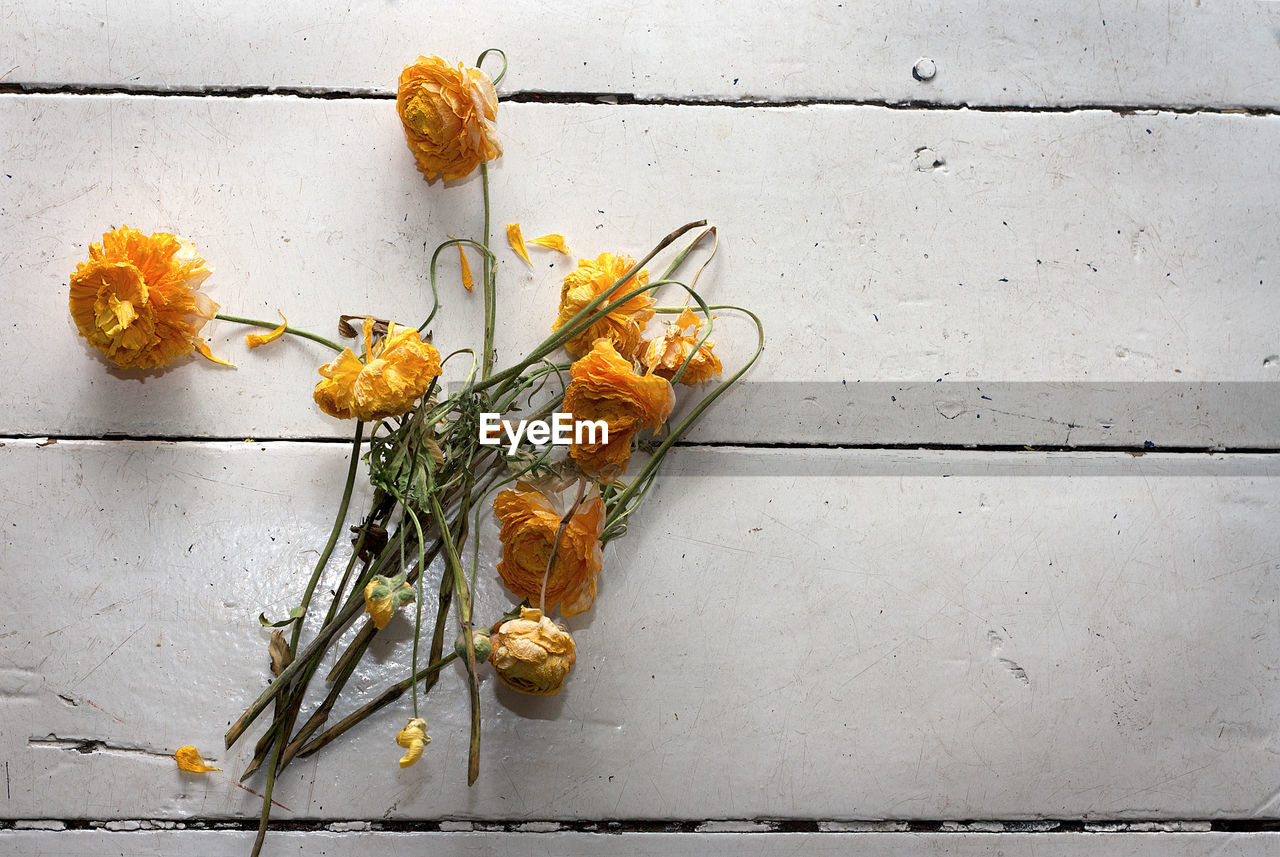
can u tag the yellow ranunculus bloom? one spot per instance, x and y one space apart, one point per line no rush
189 759
414 738
530 524
625 324
606 387
396 372
447 114
138 298
665 354
532 654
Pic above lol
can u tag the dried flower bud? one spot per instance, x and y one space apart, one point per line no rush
480 642
414 738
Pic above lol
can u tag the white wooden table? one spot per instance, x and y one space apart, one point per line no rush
983 557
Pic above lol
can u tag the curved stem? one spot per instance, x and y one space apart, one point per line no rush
271 325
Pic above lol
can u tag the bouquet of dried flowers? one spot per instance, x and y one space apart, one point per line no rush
438 460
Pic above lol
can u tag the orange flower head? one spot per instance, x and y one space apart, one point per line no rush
447 114
396 372
625 324
530 523
532 654
664 355
138 298
606 387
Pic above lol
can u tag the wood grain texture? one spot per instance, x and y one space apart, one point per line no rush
1218 55
1093 256
826 635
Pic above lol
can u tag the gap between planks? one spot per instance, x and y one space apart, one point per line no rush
623 98
758 826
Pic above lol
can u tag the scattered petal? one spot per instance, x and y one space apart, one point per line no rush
516 240
203 348
554 241
467 281
189 759
256 339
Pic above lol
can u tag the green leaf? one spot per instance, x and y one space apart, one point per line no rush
294 615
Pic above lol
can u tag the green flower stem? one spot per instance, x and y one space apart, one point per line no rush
620 509
386 697
490 278
271 325
464 623
334 533
296 666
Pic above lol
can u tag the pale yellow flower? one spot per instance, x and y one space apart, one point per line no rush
396 372
606 387
529 527
532 654
448 116
624 325
664 355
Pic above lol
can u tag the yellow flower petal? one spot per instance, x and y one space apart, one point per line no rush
554 241
189 759
516 240
203 348
256 339
467 281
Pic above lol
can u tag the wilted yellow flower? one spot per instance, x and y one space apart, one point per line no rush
532 654
189 759
529 526
606 387
138 298
447 114
396 371
665 354
383 596
413 737
624 325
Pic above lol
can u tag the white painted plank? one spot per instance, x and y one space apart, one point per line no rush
819 635
236 844
1121 53
1064 248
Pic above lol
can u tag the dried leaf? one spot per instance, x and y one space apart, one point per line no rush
516 240
256 339
281 657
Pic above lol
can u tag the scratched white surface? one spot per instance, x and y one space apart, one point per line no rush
787 632
1019 259
1118 52
846 635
